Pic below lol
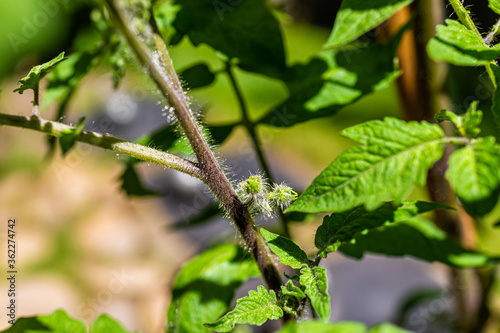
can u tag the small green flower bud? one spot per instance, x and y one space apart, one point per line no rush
282 195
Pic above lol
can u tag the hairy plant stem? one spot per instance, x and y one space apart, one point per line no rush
162 72
251 129
105 141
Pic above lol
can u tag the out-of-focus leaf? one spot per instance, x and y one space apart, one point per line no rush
357 17
394 157
67 139
316 326
468 124
495 5
255 309
315 281
57 322
387 328
457 45
132 184
287 251
37 73
106 324
341 228
246 30
205 215
197 76
419 238
64 78
474 174
205 286
333 80
495 106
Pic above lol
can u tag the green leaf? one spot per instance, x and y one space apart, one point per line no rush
60 322
254 309
67 139
445 115
387 328
287 251
197 76
317 326
292 290
132 184
316 284
472 119
333 80
495 106
343 227
57 322
66 76
394 157
246 30
106 324
32 80
495 5
468 124
205 286
419 238
474 174
356 17
460 46
290 297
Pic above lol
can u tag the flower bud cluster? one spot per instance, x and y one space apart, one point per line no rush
262 198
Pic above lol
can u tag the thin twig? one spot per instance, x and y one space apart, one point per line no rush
104 141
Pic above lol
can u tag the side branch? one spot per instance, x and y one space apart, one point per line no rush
104 141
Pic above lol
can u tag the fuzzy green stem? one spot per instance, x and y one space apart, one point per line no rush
161 70
105 141
250 127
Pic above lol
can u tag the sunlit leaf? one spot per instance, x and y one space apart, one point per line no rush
357 17
315 281
287 251
32 80
255 309
394 157
474 174
457 45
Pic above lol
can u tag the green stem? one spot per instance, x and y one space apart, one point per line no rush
463 15
251 129
161 70
105 141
